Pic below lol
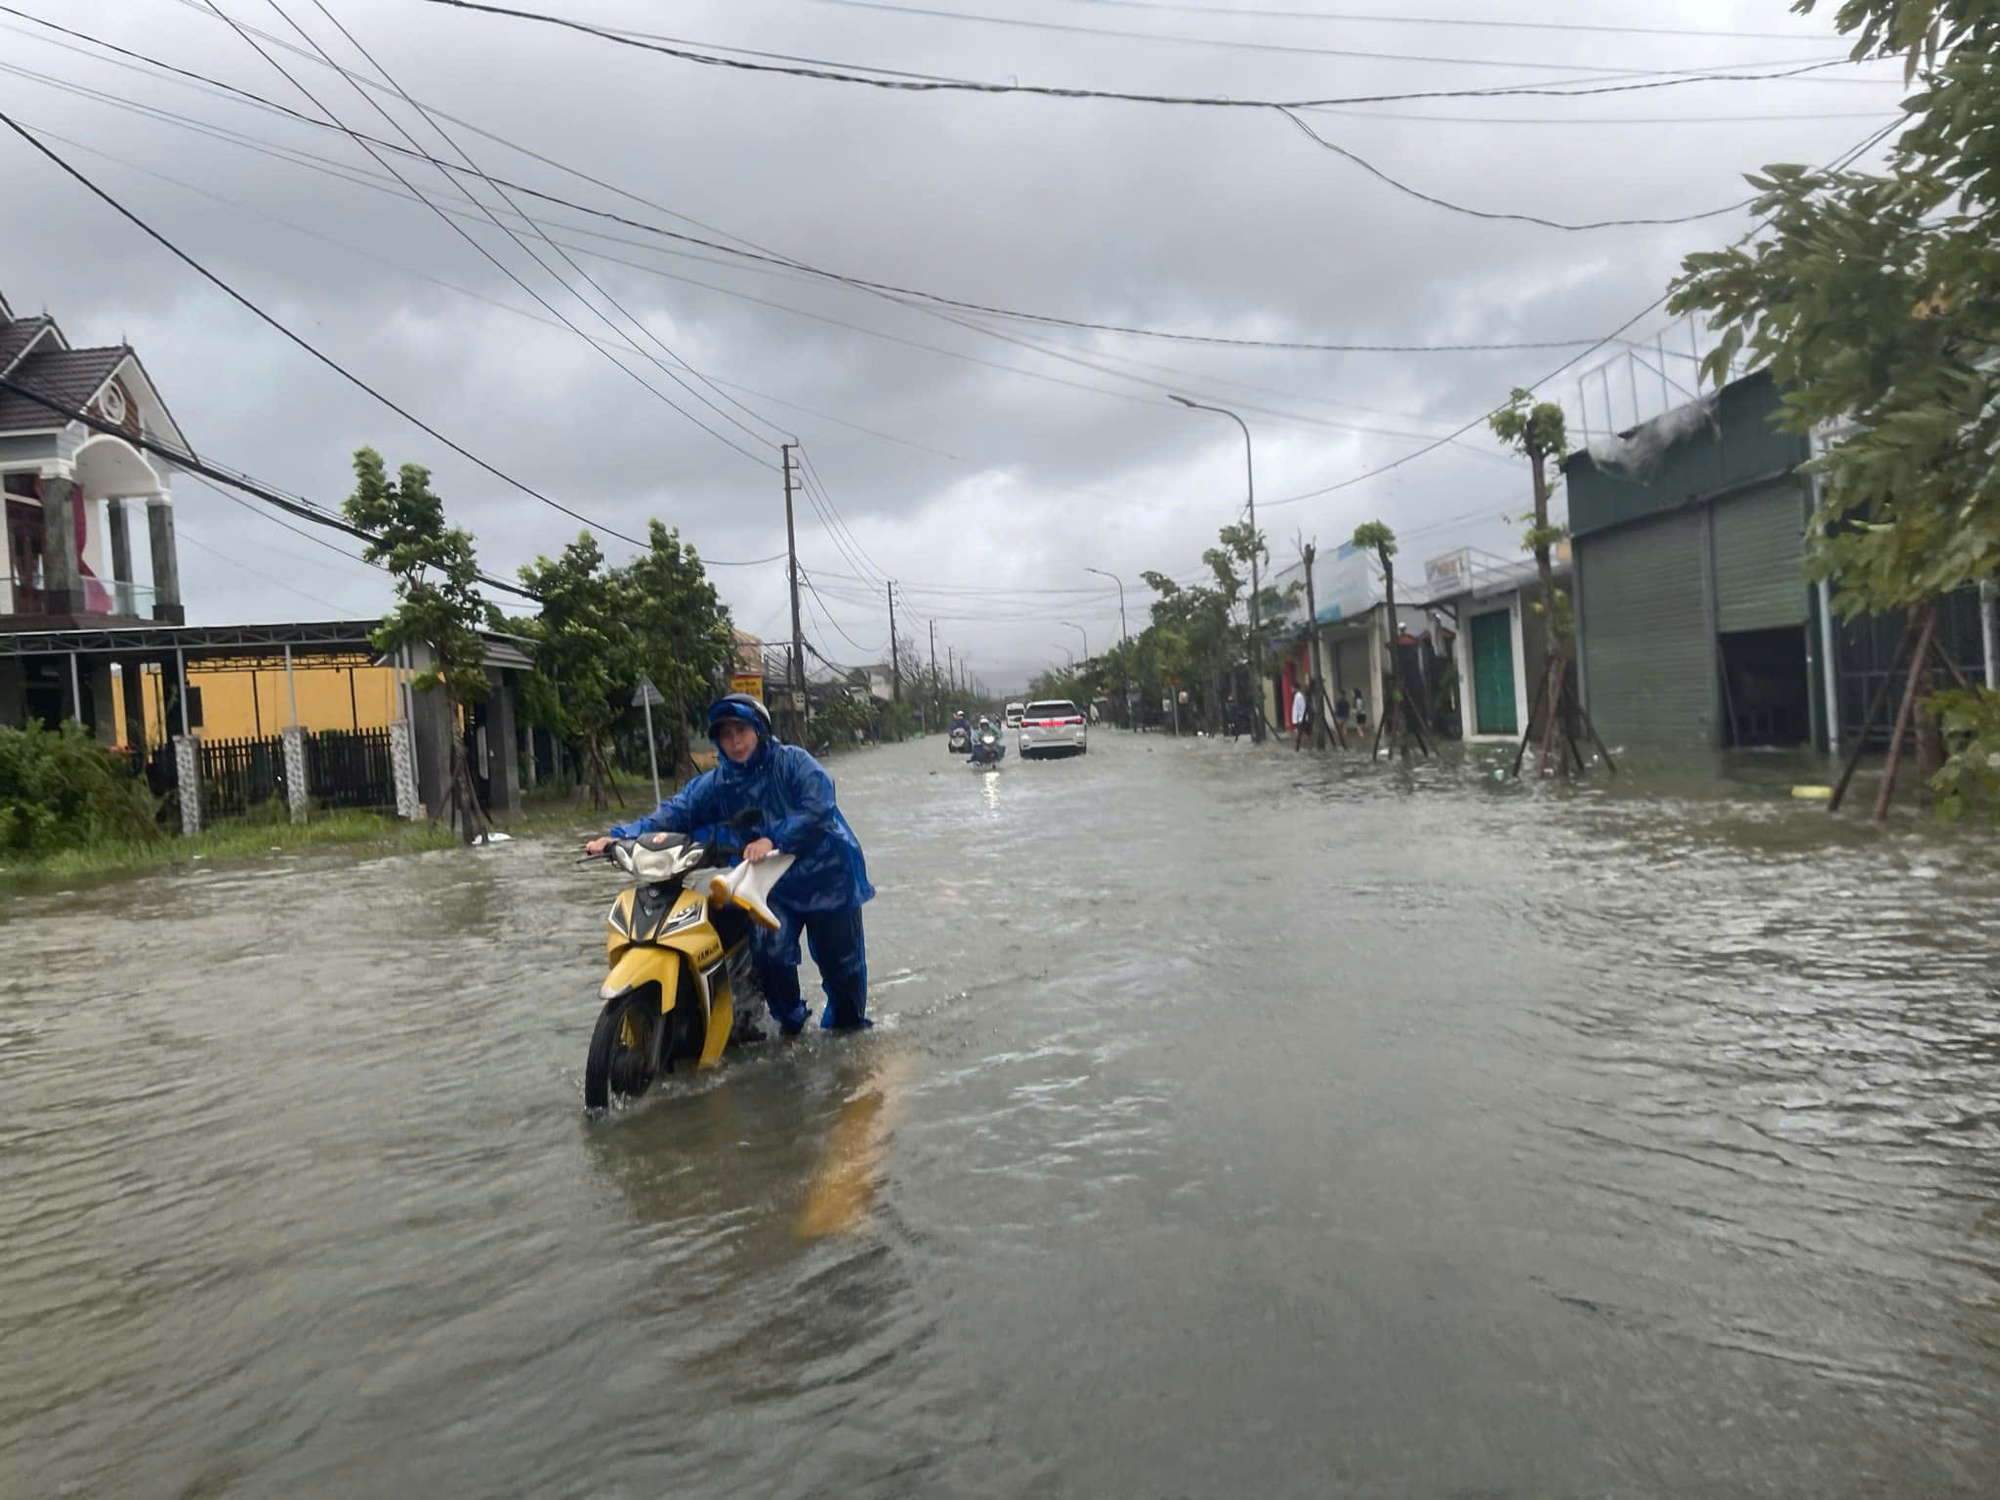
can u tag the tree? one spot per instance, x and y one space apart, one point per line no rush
439 609
583 652
680 630
1875 300
1537 432
1398 719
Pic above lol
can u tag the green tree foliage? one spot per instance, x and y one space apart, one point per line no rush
1875 300
439 609
680 630
583 654
60 789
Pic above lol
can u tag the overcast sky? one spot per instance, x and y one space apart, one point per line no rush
971 458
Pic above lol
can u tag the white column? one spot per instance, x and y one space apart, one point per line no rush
1518 629
187 774
1376 646
403 766
1989 616
296 790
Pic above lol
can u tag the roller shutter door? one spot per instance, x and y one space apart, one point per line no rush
1760 558
1648 658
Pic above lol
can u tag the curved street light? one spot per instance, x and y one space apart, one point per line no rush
1250 476
1124 637
1080 631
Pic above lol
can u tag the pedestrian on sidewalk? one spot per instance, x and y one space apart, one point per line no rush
1341 710
1301 718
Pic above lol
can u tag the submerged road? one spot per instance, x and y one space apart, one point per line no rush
1235 1125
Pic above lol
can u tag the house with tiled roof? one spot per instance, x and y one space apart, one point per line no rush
81 429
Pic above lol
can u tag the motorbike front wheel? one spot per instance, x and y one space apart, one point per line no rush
622 1050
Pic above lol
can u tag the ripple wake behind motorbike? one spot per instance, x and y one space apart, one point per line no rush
680 988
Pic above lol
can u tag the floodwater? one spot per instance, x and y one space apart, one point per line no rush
1235 1125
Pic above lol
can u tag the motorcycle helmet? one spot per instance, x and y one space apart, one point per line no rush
743 707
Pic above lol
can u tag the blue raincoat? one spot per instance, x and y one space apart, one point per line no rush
821 894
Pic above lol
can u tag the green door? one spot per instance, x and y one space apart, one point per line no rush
1648 657
1493 673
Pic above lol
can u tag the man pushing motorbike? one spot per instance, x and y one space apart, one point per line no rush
783 799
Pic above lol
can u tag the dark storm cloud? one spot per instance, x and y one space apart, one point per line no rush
989 465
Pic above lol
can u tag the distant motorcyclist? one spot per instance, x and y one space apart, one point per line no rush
787 797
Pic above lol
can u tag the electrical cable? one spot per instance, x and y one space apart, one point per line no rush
294 505
751 61
596 285
1840 163
266 318
183 534
325 359
1347 18
457 228
1517 218
1235 44
757 253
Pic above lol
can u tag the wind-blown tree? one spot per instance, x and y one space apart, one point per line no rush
1875 300
583 652
439 608
680 629
1536 431
1396 721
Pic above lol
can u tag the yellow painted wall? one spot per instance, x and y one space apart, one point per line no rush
241 705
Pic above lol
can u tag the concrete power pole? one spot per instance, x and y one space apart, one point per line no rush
937 703
895 657
1315 685
797 674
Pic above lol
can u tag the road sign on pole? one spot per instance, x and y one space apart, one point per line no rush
645 698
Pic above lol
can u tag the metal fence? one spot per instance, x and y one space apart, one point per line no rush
236 775
351 768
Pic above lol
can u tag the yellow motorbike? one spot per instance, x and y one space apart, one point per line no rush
679 954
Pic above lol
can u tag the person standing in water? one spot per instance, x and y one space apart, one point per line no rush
787 798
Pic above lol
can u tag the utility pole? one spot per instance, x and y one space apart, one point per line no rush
1315 686
895 658
797 685
1256 586
1124 638
937 703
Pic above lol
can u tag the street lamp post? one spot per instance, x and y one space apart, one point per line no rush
1124 636
1256 639
1066 652
1080 631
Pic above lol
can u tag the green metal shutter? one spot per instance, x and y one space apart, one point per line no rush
1493 673
1647 657
1760 581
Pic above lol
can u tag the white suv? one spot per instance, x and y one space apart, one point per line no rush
1054 726
1014 713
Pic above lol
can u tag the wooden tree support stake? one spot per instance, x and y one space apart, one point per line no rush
1918 658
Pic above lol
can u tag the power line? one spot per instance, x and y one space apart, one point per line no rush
1845 159
596 285
266 318
1349 18
185 535
1518 218
751 61
293 505
456 228
1233 44
300 341
756 253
